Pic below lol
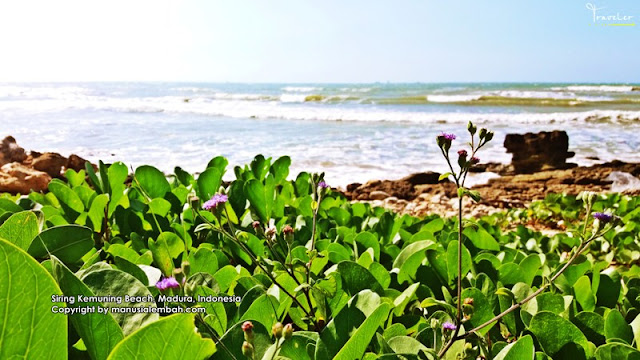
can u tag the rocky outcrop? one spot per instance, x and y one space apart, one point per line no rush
16 178
532 152
22 172
405 188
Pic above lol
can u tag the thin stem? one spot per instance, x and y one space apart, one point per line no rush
215 336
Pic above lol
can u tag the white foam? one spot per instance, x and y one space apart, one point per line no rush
602 88
452 98
301 88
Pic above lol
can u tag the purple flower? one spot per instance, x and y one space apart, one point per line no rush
216 200
322 185
474 160
448 326
603 217
448 136
462 152
167 283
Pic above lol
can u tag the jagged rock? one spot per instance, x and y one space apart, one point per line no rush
405 188
16 178
76 163
534 152
378 195
51 163
10 151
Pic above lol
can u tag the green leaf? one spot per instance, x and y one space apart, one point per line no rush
203 260
159 207
482 309
519 350
444 176
118 283
617 351
218 162
66 196
410 258
452 260
280 169
406 345
583 293
554 333
482 239
296 347
216 313
28 327
152 181
172 337
20 229
234 338
356 278
209 183
615 327
591 325
400 303
96 212
262 310
167 247
68 243
99 331
260 198
359 341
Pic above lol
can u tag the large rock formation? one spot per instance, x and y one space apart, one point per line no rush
21 172
547 150
405 188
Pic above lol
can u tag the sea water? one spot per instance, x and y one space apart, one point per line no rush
353 132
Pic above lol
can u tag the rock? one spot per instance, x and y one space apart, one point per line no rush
422 178
542 151
378 195
76 163
10 151
16 178
405 188
51 163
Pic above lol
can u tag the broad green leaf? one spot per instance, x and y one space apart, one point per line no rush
203 260
591 325
406 345
96 211
209 183
99 331
452 260
522 349
28 327
296 347
553 333
66 196
152 181
234 338
356 278
359 341
410 258
400 303
68 243
583 293
20 229
280 169
616 327
167 247
617 351
118 283
173 337
159 207
216 313
482 239
482 309
262 310
260 198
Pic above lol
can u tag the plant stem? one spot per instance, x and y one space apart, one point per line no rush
215 336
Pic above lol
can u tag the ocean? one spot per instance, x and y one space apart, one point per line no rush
352 132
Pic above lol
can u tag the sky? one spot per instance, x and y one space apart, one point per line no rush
298 41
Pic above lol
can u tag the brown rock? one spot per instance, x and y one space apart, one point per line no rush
10 151
16 178
76 163
51 163
542 151
378 195
405 188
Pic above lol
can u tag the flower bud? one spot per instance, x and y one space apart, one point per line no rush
462 158
483 133
247 350
435 323
186 268
178 274
489 136
247 328
287 231
270 233
277 329
474 160
472 128
288 331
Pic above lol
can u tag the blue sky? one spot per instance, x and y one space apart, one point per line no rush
318 41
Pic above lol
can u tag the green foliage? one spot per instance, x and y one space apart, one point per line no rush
355 281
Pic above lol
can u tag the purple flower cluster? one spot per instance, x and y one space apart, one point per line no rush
448 326
167 283
448 136
603 217
216 200
322 185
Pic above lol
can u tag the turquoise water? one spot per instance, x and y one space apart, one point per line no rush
353 132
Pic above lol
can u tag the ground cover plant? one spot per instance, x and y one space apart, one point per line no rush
117 265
